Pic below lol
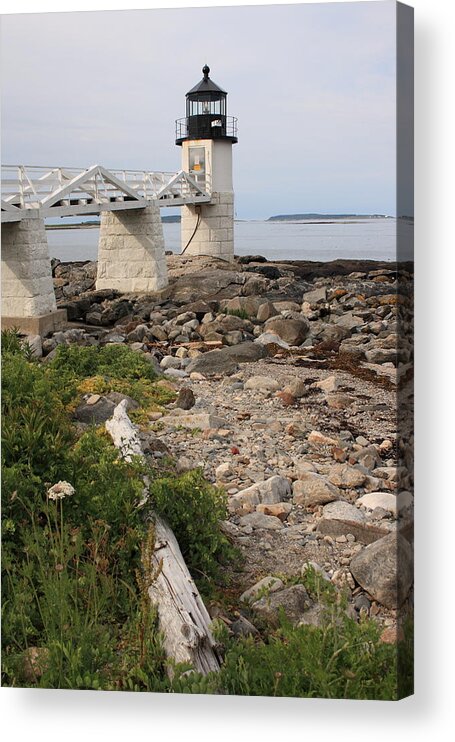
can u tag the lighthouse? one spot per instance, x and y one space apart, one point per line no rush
206 136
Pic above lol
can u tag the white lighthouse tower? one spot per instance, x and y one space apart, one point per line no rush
206 136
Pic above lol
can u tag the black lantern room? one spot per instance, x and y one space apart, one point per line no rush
206 113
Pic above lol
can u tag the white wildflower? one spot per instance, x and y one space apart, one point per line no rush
60 490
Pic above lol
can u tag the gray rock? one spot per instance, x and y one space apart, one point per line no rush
170 362
385 500
225 361
36 345
158 333
137 347
269 583
93 318
313 489
247 304
243 627
343 511
94 414
297 388
215 362
246 352
185 399
259 520
266 311
292 331
349 321
294 601
233 338
272 491
346 476
201 420
385 570
118 397
333 333
262 383
316 296
175 373
328 385
113 337
317 616
271 338
341 518
361 602
382 355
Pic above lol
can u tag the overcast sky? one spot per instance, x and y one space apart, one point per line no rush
313 87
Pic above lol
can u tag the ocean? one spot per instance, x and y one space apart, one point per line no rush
362 239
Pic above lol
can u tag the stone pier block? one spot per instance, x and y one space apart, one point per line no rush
131 255
28 299
215 233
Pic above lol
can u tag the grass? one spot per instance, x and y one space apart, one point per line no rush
241 313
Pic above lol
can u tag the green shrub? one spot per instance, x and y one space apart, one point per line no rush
344 659
75 572
14 344
36 430
194 509
113 361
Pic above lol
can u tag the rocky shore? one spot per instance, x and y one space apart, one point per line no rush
294 386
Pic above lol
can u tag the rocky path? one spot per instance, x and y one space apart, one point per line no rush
309 478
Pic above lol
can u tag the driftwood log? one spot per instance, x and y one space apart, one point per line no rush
183 617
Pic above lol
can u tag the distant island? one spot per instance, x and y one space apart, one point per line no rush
299 217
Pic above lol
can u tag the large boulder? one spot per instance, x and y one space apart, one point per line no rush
225 360
247 352
341 518
95 410
292 331
213 363
385 570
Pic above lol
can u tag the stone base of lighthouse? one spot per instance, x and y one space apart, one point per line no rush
28 299
214 234
131 255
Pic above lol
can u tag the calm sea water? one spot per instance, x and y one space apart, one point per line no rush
373 239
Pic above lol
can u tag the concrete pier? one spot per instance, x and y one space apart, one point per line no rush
215 232
131 254
28 299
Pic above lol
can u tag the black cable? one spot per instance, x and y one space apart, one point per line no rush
195 230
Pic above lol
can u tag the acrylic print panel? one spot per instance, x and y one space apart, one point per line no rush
207 381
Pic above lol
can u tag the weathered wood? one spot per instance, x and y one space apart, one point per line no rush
183 617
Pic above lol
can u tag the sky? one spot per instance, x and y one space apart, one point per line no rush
313 87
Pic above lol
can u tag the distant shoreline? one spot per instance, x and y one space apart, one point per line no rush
328 219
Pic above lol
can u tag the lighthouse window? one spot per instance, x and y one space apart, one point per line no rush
206 107
197 163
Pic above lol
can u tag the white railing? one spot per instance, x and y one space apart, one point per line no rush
68 191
